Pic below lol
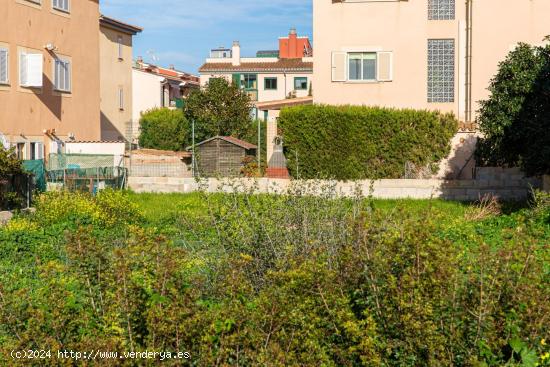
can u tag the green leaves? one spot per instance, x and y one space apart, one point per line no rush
350 142
164 129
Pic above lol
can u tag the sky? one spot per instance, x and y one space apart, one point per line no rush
182 32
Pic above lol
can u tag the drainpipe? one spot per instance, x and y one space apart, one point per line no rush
469 40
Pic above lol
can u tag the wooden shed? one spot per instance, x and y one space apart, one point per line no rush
223 156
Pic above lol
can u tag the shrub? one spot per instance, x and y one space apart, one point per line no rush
351 142
164 129
514 119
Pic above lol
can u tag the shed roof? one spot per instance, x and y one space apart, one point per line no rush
238 142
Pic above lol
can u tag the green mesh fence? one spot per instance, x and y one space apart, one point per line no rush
82 172
37 169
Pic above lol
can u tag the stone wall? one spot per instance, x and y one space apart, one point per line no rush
460 190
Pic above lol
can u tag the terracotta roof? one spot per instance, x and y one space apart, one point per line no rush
280 65
277 105
118 25
241 143
168 73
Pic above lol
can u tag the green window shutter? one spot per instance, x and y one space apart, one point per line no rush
237 80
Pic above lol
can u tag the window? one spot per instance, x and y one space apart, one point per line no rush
300 83
441 70
120 48
30 70
121 98
4 66
62 5
362 66
62 75
441 9
270 83
250 81
37 151
20 151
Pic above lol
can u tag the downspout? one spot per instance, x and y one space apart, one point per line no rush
469 39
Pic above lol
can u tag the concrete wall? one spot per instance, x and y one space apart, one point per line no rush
402 27
117 150
116 74
26 112
460 190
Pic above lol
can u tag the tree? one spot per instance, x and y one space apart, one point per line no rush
164 129
9 163
515 119
221 108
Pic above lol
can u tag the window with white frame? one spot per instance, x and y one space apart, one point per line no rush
62 75
362 66
441 9
441 70
369 66
62 5
120 48
30 70
4 66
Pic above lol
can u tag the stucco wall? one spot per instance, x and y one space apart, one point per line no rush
403 28
116 73
146 93
26 112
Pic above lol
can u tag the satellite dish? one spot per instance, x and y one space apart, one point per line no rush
4 143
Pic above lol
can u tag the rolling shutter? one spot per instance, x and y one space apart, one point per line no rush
385 66
4 73
339 66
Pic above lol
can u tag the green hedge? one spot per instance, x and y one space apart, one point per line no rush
353 142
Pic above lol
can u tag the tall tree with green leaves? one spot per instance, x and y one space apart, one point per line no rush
164 129
220 108
515 119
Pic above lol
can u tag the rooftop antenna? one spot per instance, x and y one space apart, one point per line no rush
153 56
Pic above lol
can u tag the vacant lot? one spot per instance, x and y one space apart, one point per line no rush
278 280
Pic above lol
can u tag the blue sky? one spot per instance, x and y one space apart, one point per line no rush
182 32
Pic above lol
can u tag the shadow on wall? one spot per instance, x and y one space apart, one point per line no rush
109 132
53 100
461 163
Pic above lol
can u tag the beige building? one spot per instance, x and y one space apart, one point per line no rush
49 73
424 54
115 47
435 54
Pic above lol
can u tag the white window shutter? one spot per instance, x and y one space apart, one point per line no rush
385 66
34 64
4 67
39 151
339 66
23 69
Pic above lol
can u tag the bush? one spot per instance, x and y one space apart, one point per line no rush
164 129
514 120
349 142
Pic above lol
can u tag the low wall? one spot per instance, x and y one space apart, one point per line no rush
460 190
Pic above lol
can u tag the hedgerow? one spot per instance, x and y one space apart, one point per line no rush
353 142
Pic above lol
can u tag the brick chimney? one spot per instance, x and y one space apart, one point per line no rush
292 47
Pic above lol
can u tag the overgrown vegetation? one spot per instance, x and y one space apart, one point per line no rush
258 280
514 120
164 129
353 142
10 166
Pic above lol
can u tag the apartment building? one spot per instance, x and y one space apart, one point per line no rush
271 75
427 54
116 61
49 74
155 86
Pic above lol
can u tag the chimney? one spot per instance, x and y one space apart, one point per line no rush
236 53
172 67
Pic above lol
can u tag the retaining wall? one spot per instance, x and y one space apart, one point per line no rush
460 190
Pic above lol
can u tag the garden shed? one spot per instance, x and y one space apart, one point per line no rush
223 156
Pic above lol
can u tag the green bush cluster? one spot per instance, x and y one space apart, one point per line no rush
9 165
277 281
352 142
164 129
514 119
